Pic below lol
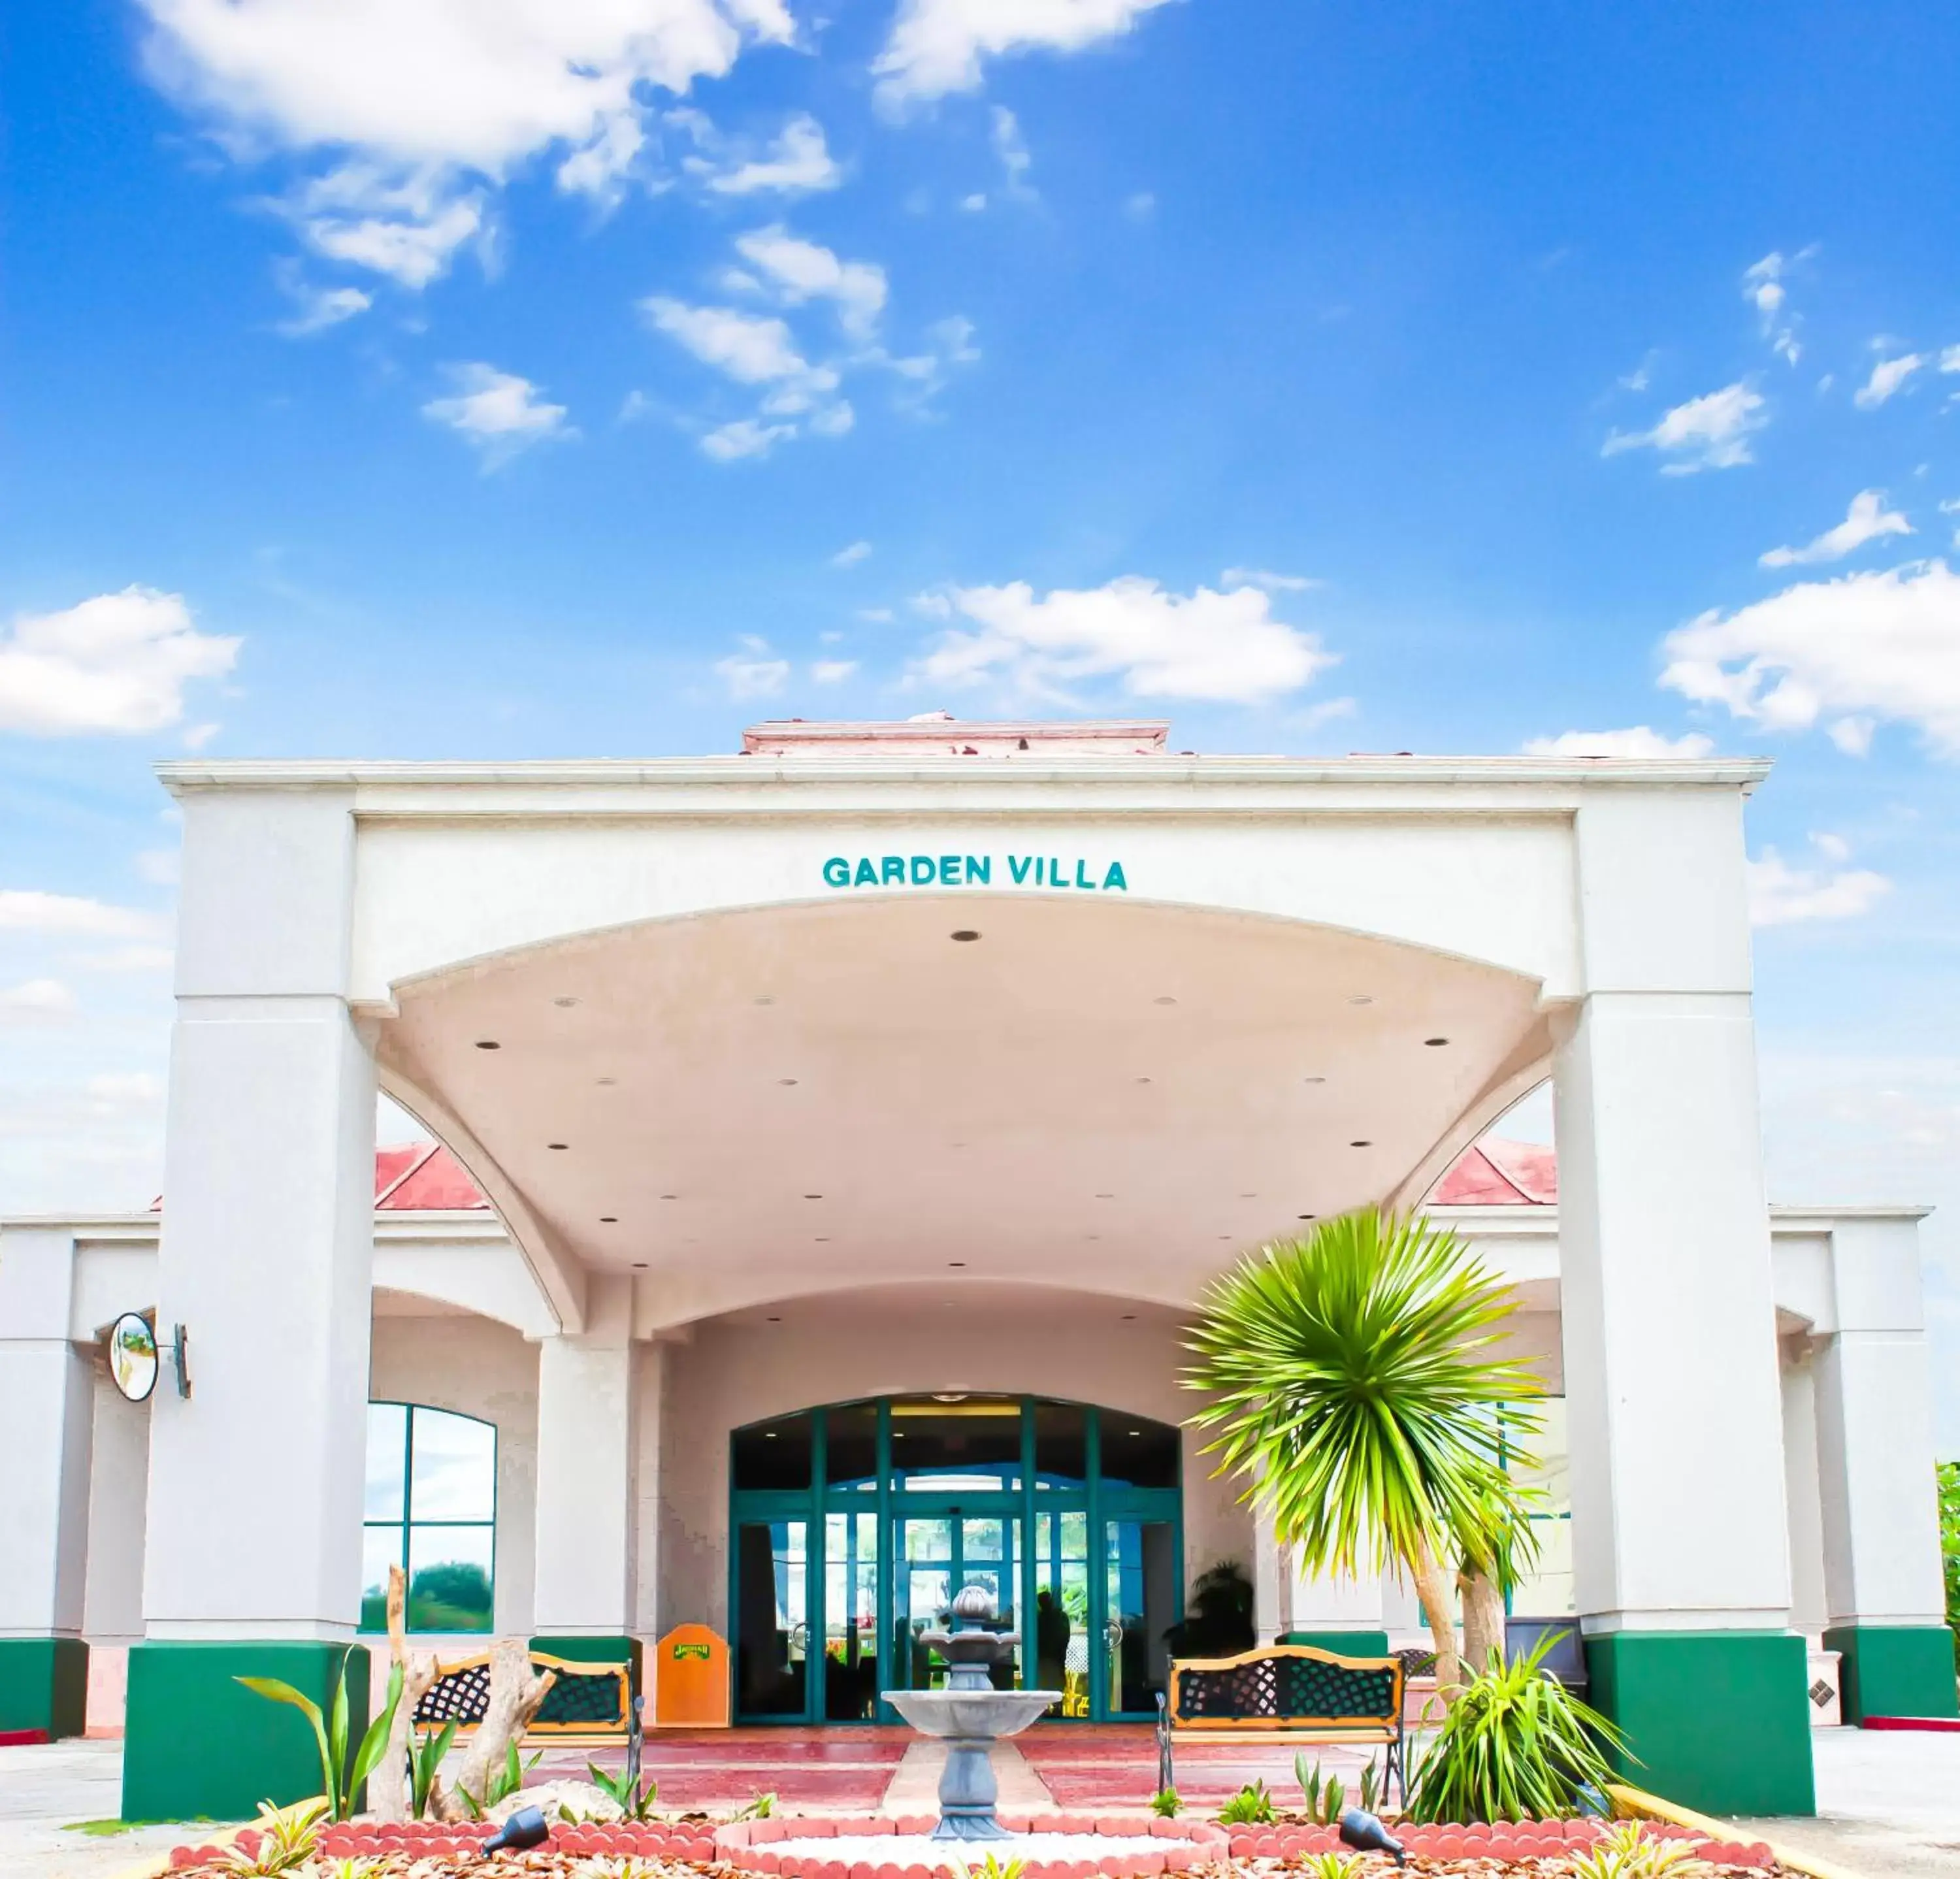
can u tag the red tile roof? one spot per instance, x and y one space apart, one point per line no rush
420 1176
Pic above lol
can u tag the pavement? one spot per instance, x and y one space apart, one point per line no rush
1888 1805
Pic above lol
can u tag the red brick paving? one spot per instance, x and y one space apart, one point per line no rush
830 1768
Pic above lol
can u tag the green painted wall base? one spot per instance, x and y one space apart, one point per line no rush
1715 1720
44 1685
197 1744
589 1650
1342 1643
1894 1669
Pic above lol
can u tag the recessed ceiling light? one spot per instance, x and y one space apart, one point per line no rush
1435 1044
1129 1317
765 1001
564 1004
768 1434
488 1044
813 1196
608 1219
956 1263
966 932
1306 1217
1136 1432
639 1265
1248 1196
1361 998
1224 1236
1360 1145
670 1197
788 1082
1143 1080
560 1145
606 1083
1313 1079
1106 1196
1166 1001
1093 1236
823 1239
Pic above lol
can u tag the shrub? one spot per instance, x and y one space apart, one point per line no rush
1252 1806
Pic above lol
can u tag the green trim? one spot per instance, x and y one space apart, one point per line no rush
1894 1669
583 1649
1342 1643
1718 1720
197 1744
44 1685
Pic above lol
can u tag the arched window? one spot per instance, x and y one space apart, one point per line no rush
431 1510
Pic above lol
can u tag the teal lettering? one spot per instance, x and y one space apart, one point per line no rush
892 870
979 870
866 875
1018 867
1041 872
1054 873
922 862
948 869
1081 879
837 872
1115 877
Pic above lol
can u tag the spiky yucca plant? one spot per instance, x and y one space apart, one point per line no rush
1356 1388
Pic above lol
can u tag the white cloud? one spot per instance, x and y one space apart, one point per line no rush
798 162
499 412
1265 577
1863 649
830 671
319 307
937 45
755 671
1866 521
118 662
417 104
1227 647
1637 740
850 557
73 916
36 1001
1140 205
1780 894
159 867
1012 149
751 349
744 436
1763 287
1887 377
1711 432
798 271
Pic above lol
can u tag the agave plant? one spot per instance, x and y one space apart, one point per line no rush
634 1798
992 1866
1252 1806
1629 1852
425 1758
1166 1804
285 1839
1517 1745
1336 1866
1356 1389
340 1782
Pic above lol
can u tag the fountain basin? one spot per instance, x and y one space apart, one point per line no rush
974 1714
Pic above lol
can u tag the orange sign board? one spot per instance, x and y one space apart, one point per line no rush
691 1680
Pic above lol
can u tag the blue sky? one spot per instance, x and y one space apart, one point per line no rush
396 378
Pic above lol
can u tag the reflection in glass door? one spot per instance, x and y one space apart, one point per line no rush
1062 1607
772 1594
935 1555
850 1617
1141 1561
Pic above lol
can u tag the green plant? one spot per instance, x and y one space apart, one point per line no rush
1628 1852
340 1783
1336 1866
1166 1804
1218 1619
504 1782
620 1789
1252 1806
992 1866
1371 1787
1325 1796
351 1867
1356 1389
759 1807
287 1839
1949 1546
1516 1745
425 1758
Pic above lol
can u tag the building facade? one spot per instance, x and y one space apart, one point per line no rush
835 1137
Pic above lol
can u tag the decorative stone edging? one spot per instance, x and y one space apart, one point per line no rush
748 1844
1642 1805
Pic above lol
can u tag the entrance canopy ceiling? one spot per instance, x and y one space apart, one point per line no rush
1111 1096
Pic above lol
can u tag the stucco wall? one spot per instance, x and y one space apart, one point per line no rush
481 1369
895 1342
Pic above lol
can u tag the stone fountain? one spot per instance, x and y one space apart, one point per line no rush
970 1716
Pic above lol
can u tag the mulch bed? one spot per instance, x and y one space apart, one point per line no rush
689 1848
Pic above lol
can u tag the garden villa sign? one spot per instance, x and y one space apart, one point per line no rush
966 870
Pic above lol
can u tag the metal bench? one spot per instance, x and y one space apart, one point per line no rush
591 1699
1286 1693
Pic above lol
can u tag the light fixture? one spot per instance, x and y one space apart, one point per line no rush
1305 1216
775 1320
1361 998
1129 1317
488 1044
608 1219
1435 1044
768 1434
1136 1432
1313 1079
1166 1001
765 1001
966 932
1224 1236
1248 1196
559 1146
639 1265
670 1197
1143 1080
788 1082
1106 1196
957 1264
564 1004
1360 1145
813 1196
949 1396
606 1083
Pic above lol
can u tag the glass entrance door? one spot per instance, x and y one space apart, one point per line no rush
1140 1605
934 1555
772 1634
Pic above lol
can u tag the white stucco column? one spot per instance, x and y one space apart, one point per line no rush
1272 1573
46 1413
586 1442
1875 1454
1680 1541
267 1241
1332 1606
1807 1610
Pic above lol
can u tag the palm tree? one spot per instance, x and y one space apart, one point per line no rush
1357 1389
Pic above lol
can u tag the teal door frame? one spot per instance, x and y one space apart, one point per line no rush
1101 1504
